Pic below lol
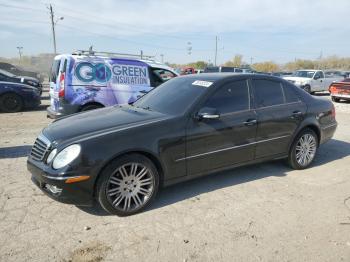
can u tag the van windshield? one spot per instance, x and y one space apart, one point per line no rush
173 97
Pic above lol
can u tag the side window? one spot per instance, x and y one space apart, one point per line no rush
232 97
290 94
319 75
161 75
54 70
267 93
2 77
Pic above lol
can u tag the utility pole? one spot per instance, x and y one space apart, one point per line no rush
162 56
251 60
216 49
53 24
20 52
141 54
53 29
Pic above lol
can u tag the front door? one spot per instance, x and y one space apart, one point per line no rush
217 143
280 112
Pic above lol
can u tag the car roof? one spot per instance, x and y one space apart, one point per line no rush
220 76
151 63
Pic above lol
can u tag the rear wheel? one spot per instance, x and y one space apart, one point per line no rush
11 103
128 185
303 149
90 107
335 99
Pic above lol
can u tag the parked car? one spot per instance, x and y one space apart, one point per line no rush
16 70
312 80
15 97
81 82
9 77
340 90
222 69
187 127
188 71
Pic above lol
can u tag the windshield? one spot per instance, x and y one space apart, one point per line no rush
173 97
6 73
308 74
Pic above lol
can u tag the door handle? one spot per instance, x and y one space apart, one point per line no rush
296 114
250 122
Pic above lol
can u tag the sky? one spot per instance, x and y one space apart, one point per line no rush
260 30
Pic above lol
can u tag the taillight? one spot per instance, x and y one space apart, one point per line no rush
331 88
61 86
333 111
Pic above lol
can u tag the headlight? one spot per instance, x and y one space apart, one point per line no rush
32 83
66 156
51 156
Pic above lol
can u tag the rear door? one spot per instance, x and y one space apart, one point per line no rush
280 112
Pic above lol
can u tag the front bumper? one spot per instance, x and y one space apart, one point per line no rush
55 186
341 96
64 109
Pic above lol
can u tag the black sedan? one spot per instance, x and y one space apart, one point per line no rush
14 97
9 77
188 127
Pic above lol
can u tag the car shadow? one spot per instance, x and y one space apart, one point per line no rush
39 108
331 151
15 151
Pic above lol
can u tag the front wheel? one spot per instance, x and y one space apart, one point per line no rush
307 88
303 149
128 185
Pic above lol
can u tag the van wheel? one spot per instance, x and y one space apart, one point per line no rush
90 107
303 149
11 103
128 185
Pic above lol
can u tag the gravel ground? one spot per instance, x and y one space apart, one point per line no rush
263 212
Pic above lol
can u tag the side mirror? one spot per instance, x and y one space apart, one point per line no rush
208 113
316 77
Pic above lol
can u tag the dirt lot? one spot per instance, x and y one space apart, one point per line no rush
263 212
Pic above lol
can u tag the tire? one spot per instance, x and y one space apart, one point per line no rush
11 103
335 99
307 89
127 185
306 141
90 107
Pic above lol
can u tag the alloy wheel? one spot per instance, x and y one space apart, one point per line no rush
305 149
130 187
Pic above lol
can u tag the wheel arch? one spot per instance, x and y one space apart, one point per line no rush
90 104
308 125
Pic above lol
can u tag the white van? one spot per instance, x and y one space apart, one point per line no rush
84 81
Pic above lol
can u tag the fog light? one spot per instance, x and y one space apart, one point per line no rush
53 189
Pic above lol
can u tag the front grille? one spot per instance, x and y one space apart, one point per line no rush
40 148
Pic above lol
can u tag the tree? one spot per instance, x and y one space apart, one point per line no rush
268 66
236 61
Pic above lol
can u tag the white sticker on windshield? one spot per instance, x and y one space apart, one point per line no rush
202 83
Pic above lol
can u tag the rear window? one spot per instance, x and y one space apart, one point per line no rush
54 70
290 94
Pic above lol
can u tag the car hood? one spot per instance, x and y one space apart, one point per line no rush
100 121
297 78
28 78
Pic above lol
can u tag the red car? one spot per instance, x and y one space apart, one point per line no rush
340 90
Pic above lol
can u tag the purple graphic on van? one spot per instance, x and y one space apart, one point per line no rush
105 81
